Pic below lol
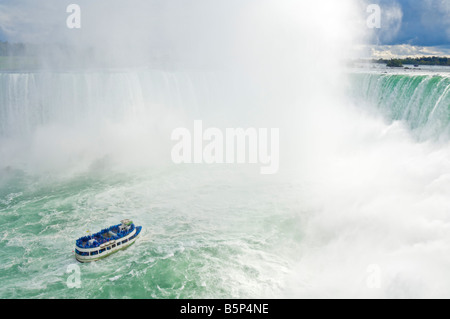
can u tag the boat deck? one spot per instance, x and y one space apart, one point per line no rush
104 236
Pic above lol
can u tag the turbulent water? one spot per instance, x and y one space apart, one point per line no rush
81 151
73 161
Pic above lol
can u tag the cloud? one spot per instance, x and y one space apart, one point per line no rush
436 15
391 22
402 51
418 23
426 23
28 21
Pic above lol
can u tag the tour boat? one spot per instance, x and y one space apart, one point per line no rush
107 241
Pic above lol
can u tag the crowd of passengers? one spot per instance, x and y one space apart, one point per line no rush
93 241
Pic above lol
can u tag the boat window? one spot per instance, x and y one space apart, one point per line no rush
113 245
119 243
94 253
125 241
102 250
108 248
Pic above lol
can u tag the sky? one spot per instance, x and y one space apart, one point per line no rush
407 26
412 28
415 22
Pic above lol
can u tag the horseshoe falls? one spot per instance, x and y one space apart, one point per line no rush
420 101
74 161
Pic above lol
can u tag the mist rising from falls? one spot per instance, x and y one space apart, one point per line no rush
252 70
81 117
380 192
370 194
